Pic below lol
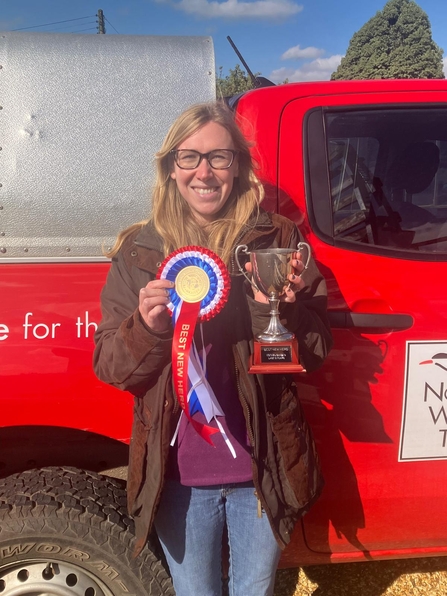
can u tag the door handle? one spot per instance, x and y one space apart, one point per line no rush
355 320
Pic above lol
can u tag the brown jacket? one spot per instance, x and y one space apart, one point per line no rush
130 356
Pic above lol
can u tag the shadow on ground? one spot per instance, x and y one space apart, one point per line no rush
377 578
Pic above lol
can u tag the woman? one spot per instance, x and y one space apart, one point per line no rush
206 194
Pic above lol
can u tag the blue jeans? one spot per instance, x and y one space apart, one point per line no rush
190 524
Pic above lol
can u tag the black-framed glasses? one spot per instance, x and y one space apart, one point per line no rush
219 159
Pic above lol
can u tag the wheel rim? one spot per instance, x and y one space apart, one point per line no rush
50 578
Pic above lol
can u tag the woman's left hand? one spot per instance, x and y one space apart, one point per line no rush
296 282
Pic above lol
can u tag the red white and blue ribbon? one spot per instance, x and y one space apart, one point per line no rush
194 393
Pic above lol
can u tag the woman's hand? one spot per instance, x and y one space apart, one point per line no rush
295 284
153 301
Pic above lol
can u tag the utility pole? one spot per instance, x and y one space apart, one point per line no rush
101 25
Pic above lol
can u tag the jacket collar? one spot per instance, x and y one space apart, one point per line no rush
149 238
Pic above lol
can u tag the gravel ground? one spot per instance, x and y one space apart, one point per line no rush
408 577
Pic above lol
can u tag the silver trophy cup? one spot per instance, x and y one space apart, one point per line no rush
271 268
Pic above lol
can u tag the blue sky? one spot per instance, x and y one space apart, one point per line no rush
298 39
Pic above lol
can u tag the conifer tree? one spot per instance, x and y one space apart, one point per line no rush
396 43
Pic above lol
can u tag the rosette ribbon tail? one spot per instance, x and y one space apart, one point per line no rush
202 285
181 348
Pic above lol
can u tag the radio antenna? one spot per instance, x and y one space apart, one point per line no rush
257 81
245 65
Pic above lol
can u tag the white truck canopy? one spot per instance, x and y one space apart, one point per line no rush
80 121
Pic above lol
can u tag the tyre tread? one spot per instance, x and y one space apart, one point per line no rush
50 500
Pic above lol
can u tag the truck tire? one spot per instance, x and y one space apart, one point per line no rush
66 532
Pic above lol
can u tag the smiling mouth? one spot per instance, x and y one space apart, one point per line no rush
205 191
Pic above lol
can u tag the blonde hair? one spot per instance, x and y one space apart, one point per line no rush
168 206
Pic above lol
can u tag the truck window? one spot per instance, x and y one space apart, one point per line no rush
351 161
387 176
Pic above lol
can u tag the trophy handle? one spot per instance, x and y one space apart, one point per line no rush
302 245
243 248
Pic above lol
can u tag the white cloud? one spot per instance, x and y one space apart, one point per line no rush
238 9
444 61
298 53
317 70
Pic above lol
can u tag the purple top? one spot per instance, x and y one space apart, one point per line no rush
193 461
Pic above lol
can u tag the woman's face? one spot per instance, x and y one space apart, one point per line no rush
204 189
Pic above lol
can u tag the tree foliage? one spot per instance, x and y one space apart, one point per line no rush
235 82
396 43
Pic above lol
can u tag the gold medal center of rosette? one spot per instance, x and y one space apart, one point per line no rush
192 284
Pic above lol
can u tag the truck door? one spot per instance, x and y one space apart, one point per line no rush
370 173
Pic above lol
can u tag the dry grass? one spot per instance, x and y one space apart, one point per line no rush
408 577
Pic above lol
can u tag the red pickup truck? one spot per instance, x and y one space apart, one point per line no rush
360 166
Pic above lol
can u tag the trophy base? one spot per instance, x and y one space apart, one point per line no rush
279 357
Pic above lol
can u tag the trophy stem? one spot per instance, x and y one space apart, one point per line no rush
275 332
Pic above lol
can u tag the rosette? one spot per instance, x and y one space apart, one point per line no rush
201 289
199 276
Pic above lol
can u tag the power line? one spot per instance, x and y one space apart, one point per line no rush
100 24
111 24
72 25
55 23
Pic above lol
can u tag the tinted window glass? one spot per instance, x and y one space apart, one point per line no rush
388 177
